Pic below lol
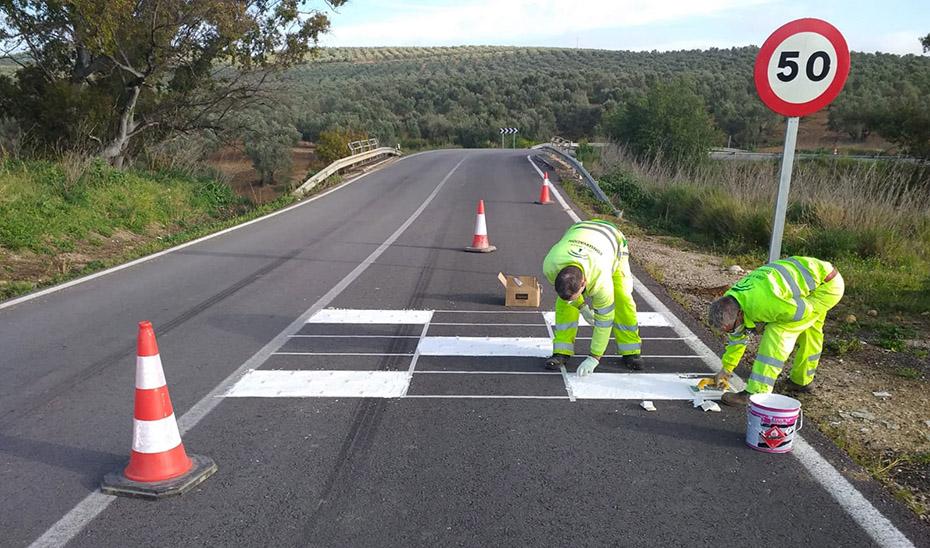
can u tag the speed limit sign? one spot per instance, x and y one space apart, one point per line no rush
802 67
799 70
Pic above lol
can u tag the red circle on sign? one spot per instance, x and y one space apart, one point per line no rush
764 88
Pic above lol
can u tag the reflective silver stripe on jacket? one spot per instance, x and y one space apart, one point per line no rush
603 323
808 279
564 326
795 290
607 310
603 230
815 357
761 378
737 342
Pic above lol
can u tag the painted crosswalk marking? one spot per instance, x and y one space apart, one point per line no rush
395 384
342 315
645 319
320 384
539 347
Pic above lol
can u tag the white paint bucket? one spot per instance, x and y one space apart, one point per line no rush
771 422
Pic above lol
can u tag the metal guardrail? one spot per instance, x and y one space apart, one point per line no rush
591 182
341 164
356 147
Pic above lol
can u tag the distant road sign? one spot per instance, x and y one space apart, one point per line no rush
802 67
509 130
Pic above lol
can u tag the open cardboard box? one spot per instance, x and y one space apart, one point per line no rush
520 290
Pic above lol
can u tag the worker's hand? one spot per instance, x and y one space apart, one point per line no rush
587 314
722 375
587 366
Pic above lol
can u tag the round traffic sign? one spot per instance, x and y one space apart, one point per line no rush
801 67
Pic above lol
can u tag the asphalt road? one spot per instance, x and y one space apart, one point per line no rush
476 450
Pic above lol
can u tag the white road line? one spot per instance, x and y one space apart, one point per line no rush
421 372
416 357
539 347
460 397
632 386
355 336
394 317
71 523
876 525
320 384
340 354
644 319
562 370
491 324
89 277
495 312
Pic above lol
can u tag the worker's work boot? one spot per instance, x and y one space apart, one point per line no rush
735 399
792 389
633 361
555 362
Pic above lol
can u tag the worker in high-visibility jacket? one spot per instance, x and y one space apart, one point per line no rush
792 297
592 261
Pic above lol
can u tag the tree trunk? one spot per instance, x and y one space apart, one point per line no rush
115 151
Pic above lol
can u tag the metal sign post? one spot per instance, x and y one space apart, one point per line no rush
800 69
784 186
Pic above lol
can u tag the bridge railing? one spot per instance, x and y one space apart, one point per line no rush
561 149
349 161
356 147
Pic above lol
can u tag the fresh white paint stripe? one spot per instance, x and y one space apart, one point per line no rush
632 386
539 347
413 362
495 312
859 508
491 324
320 384
476 397
155 436
487 373
89 277
75 520
337 354
339 315
149 372
355 336
645 319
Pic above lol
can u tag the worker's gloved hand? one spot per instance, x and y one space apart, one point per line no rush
587 314
722 375
587 366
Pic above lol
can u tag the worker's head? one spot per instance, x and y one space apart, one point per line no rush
569 283
725 314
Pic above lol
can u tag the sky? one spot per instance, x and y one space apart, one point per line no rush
891 26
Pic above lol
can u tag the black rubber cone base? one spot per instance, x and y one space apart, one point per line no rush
116 483
488 249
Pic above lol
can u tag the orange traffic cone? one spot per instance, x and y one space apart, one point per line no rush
480 243
158 464
544 192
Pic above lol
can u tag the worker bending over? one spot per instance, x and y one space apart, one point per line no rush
792 297
592 261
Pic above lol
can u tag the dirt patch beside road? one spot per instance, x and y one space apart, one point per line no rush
873 402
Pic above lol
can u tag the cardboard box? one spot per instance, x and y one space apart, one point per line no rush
520 290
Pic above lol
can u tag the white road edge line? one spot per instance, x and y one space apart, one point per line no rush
85 511
872 521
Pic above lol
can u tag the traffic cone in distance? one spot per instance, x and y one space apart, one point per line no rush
544 191
480 243
158 464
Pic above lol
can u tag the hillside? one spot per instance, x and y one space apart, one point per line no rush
463 94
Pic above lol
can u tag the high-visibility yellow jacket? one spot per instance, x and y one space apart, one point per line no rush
774 293
596 247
